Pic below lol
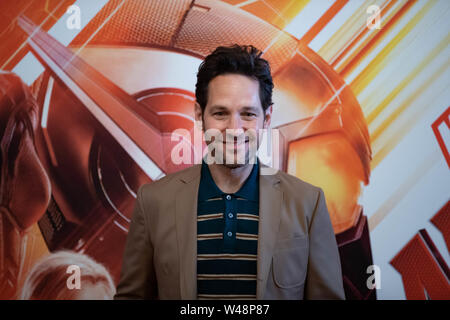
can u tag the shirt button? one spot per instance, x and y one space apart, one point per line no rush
228 197
230 215
229 233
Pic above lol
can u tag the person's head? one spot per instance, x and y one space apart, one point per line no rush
234 97
50 277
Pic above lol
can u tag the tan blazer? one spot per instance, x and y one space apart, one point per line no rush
297 251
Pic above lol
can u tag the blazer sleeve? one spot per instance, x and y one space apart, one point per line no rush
137 278
324 277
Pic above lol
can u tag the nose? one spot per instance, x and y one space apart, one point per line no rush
235 121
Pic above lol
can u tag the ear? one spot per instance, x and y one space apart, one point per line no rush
267 117
198 114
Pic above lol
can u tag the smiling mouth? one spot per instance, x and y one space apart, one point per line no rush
235 144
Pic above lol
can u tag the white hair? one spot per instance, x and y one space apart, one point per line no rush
47 280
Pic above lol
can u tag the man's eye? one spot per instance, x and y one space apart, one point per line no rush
249 114
218 113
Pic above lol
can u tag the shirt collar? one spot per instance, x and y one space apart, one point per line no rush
209 189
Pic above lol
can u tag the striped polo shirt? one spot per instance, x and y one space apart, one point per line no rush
227 238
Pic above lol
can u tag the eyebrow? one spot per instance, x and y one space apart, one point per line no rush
245 108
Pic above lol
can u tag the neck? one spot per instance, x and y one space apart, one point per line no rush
227 179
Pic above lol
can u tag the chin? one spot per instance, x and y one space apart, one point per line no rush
235 163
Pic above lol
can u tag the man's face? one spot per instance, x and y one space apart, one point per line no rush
234 109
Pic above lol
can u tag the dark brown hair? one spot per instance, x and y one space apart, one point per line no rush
239 59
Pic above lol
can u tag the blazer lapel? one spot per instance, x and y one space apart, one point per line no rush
186 228
270 198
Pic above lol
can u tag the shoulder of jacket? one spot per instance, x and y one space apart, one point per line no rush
290 183
168 180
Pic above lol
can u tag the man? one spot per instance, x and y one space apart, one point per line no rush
223 228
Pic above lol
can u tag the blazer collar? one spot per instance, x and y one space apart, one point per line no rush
186 227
